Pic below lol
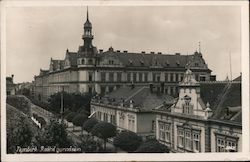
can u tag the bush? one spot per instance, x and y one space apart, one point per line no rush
152 146
89 124
128 141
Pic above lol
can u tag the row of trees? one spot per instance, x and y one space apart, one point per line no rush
125 140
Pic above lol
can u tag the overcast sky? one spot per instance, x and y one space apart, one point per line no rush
35 34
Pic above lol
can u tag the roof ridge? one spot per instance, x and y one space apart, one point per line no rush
139 90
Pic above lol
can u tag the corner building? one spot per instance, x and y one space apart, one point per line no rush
96 71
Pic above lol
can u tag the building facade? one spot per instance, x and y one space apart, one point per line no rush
10 86
205 118
130 108
96 71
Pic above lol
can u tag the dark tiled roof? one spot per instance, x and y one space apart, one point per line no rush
221 96
210 92
72 58
238 78
141 96
161 60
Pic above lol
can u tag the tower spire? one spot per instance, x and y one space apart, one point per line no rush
87 13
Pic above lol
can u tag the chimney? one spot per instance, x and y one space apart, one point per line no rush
131 103
142 51
125 51
12 78
178 54
118 51
101 50
152 52
159 53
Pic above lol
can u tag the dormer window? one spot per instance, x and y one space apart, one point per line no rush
187 106
178 63
142 62
167 63
196 64
130 62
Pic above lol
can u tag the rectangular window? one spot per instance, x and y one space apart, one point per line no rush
145 77
164 131
176 77
171 77
180 136
129 77
103 76
196 142
111 76
119 77
154 77
226 144
134 77
140 77
90 77
166 77
188 141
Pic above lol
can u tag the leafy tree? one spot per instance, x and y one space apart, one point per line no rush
72 101
89 124
19 134
55 134
104 130
55 101
152 146
79 119
128 141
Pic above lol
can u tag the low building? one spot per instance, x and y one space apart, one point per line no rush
10 85
206 117
130 108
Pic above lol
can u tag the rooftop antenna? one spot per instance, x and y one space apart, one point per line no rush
230 65
199 47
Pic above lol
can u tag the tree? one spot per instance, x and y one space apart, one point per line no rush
79 119
104 130
152 146
55 134
128 141
55 101
19 134
89 124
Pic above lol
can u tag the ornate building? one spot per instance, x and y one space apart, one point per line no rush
206 117
90 70
130 108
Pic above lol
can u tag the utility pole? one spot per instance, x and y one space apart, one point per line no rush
62 104
230 66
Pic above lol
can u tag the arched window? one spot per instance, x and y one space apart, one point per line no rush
83 61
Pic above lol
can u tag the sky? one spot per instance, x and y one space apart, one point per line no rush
35 34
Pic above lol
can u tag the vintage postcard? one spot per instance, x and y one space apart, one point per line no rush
124 81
